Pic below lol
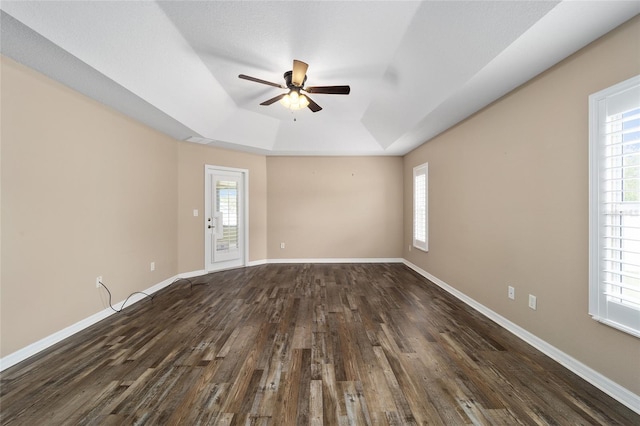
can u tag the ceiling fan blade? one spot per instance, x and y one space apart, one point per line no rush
330 90
312 105
299 71
257 80
273 100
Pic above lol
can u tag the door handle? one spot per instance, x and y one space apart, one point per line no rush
210 226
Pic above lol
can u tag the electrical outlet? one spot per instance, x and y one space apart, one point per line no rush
153 266
281 245
98 281
533 302
512 293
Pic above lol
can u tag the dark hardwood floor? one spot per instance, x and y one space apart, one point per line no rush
296 345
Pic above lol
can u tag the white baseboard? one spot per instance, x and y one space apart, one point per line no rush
324 260
339 260
608 386
191 274
42 344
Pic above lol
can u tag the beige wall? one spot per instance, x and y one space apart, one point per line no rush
192 159
508 205
334 207
85 192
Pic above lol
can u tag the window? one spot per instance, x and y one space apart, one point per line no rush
420 207
614 219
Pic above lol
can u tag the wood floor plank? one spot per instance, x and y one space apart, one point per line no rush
271 379
399 399
211 409
316 416
298 344
357 412
304 389
287 399
330 402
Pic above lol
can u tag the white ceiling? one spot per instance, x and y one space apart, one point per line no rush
415 68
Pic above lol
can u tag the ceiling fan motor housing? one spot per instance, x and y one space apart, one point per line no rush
290 85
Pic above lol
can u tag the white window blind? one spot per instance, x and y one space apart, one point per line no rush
614 149
420 207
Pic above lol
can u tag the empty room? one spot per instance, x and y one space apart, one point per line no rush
320 212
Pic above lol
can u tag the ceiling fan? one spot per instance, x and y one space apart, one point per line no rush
294 81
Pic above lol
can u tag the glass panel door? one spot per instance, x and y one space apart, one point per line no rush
227 218
224 221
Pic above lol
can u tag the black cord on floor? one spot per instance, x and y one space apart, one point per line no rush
125 300
195 284
190 281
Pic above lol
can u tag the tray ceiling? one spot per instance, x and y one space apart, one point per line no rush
415 68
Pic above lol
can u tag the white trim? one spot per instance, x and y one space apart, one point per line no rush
327 260
190 274
338 260
606 385
46 342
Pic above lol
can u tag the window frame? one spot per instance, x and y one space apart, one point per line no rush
614 314
418 242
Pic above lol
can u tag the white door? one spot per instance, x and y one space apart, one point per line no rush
225 218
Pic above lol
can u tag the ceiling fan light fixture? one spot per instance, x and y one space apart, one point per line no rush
303 101
286 101
294 101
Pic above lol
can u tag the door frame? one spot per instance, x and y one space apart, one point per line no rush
244 214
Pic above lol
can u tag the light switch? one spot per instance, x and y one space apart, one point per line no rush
195 212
